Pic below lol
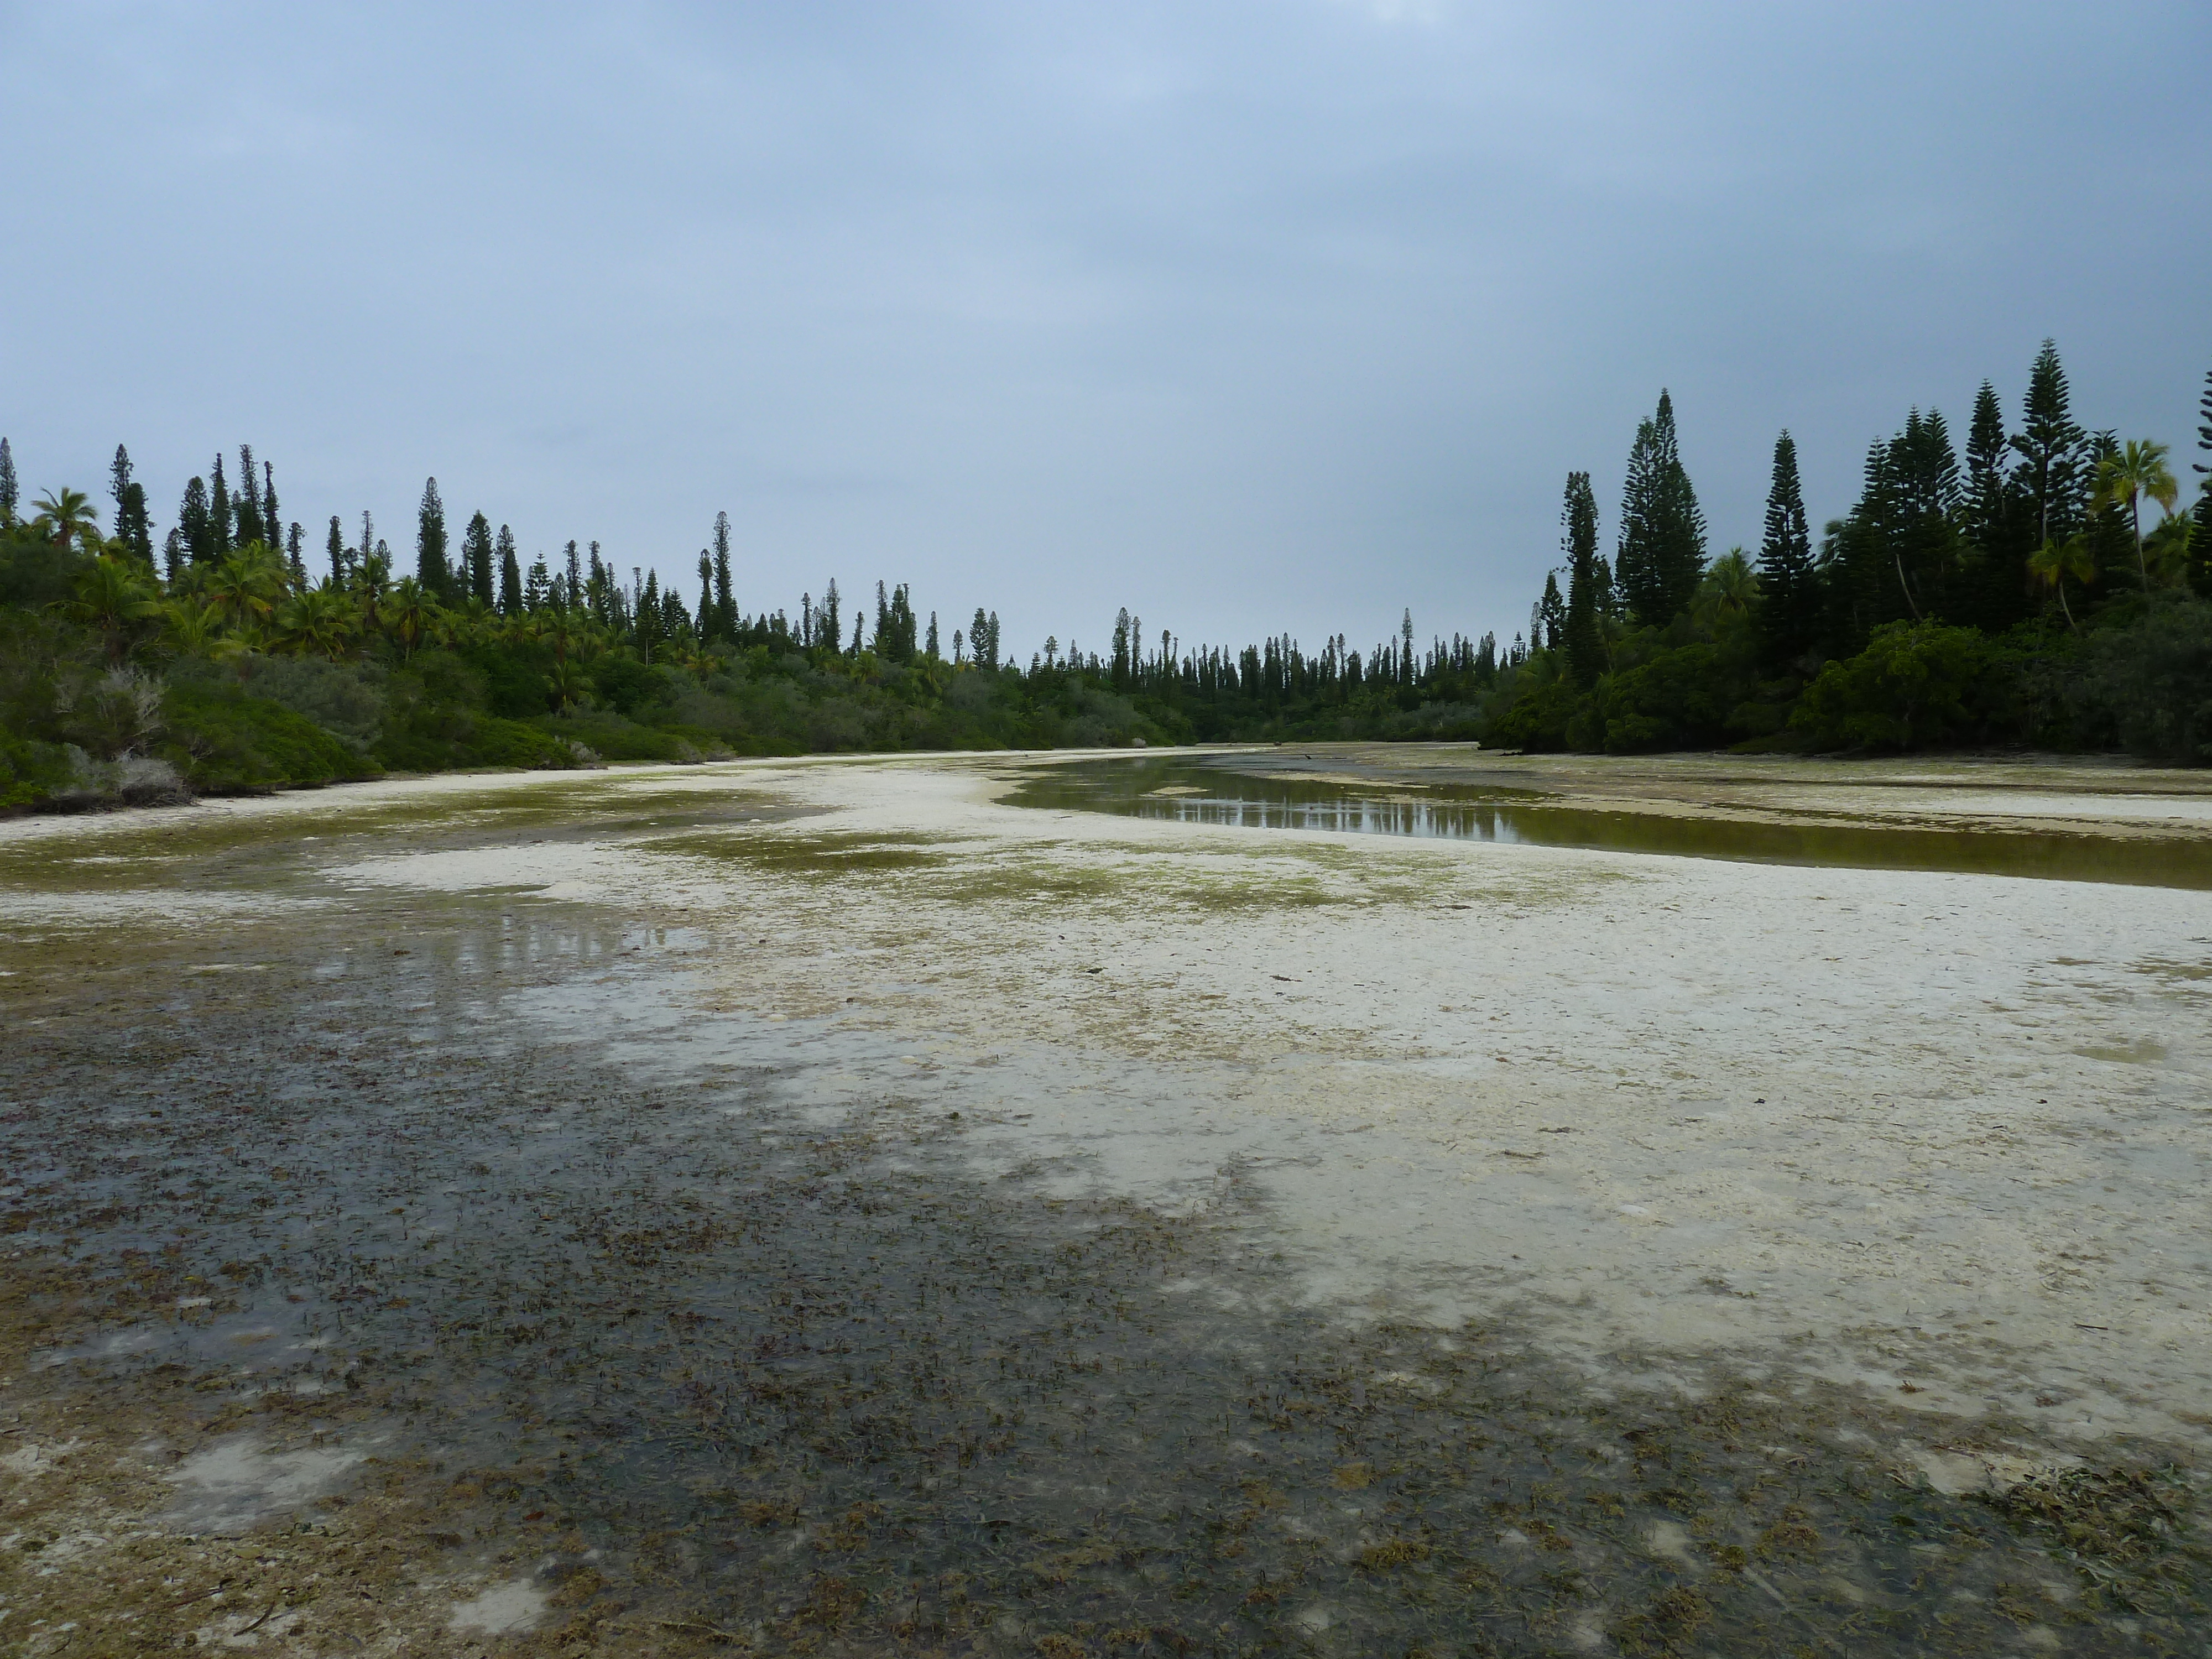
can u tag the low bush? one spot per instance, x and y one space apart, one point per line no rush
30 771
225 741
2148 687
1915 684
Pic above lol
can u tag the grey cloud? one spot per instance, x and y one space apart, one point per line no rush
1280 314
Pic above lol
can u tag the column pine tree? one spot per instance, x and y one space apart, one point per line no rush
1661 554
134 524
432 568
1551 611
2200 561
476 557
272 521
2053 469
1578 540
725 605
219 511
510 575
251 525
1790 613
648 616
194 523
119 483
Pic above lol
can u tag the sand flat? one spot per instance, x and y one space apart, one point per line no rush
1877 1122
1915 1157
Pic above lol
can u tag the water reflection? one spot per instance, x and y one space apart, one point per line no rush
1198 793
1447 820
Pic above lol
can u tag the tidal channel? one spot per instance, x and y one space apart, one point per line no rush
1180 790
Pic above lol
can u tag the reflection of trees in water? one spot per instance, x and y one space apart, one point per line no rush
1447 821
1812 838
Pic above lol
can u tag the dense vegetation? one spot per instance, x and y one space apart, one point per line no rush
2020 598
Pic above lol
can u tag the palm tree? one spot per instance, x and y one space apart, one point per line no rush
1613 634
2135 469
474 618
407 614
2055 561
372 583
568 687
66 516
247 582
1730 587
571 636
112 597
2167 550
190 624
318 620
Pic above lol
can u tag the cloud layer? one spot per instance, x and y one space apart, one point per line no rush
1279 315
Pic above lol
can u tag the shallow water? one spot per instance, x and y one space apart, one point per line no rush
1183 791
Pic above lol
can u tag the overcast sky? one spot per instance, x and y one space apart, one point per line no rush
1272 316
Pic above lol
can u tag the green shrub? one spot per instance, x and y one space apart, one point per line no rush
1915 684
34 573
436 720
439 738
514 689
226 742
495 742
1537 719
2150 685
627 685
346 698
610 737
1681 699
38 652
30 771
1678 696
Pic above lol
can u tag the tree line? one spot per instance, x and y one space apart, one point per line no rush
2019 592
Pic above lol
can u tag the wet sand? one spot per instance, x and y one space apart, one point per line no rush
1293 1243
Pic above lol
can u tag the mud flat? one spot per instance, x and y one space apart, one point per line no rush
830 1206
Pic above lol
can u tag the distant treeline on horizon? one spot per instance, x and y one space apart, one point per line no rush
2023 593
214 520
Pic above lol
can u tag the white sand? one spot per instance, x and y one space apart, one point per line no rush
503 1610
234 1483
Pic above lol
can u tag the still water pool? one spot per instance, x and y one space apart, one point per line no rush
1183 790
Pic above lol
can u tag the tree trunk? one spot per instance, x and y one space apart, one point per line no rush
1907 587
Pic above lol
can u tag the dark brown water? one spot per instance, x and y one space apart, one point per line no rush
1200 792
